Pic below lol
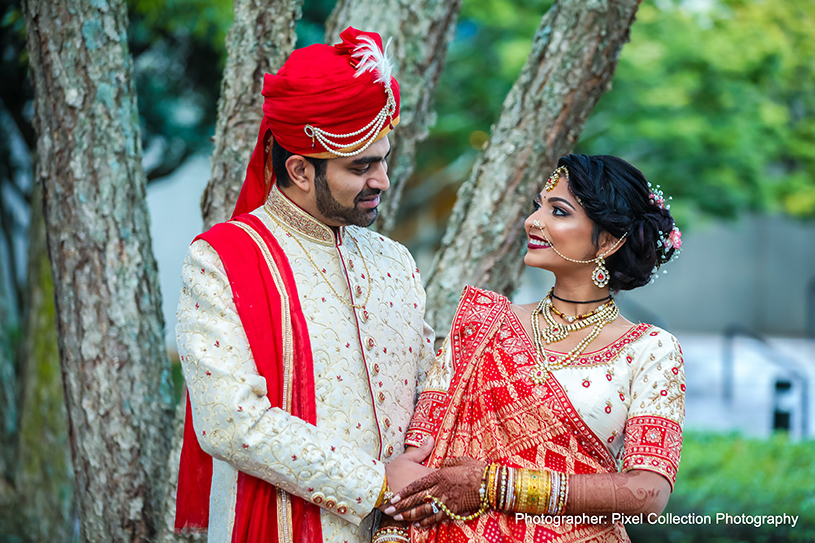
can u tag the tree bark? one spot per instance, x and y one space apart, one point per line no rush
260 40
44 479
115 371
421 32
574 55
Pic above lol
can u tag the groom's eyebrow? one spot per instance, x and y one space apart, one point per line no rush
370 159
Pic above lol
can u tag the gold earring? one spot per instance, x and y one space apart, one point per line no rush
600 276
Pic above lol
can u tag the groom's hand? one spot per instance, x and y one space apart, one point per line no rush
407 467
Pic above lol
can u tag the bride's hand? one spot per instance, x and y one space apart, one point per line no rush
456 484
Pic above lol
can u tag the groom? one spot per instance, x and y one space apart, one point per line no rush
301 332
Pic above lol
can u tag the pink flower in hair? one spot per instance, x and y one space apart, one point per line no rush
674 239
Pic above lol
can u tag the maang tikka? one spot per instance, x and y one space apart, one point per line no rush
551 183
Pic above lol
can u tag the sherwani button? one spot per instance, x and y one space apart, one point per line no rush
370 343
376 369
318 498
359 290
342 508
389 451
330 502
387 422
381 396
365 316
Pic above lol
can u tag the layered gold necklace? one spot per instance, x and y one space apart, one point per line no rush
270 211
556 331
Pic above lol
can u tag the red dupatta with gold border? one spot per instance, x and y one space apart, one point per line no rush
266 298
492 411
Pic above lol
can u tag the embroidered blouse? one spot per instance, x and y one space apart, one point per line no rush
630 394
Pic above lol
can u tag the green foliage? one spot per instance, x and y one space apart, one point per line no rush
735 475
493 39
179 48
311 27
206 20
179 53
717 106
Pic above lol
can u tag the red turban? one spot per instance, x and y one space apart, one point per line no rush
324 102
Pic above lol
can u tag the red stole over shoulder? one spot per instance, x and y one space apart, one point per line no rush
257 268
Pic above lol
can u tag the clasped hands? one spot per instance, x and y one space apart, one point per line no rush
456 485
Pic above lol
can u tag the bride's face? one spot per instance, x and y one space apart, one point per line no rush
559 220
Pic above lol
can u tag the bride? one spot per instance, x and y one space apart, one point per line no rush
557 420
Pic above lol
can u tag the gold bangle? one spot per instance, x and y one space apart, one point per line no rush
537 487
484 488
523 491
544 489
564 493
395 535
492 490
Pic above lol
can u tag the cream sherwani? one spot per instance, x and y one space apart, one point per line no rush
369 364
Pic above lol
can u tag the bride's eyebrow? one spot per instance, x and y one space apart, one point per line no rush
559 199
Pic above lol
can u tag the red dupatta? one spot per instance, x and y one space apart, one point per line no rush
491 411
266 297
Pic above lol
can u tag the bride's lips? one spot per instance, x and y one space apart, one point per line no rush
537 243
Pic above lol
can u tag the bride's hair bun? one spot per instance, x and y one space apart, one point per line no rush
619 200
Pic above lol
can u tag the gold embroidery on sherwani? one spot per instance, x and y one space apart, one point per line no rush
293 216
232 415
284 520
364 394
288 370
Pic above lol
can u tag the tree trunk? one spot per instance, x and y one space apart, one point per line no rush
421 32
260 40
44 479
115 370
574 55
